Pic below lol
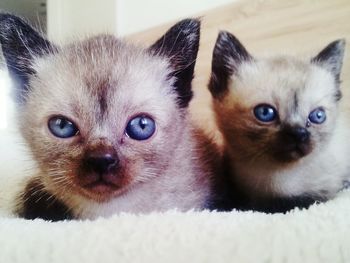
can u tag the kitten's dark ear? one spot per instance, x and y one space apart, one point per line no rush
331 57
20 44
228 54
180 45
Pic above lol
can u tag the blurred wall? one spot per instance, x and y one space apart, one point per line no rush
67 18
137 15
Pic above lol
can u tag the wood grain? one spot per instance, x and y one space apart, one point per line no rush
301 27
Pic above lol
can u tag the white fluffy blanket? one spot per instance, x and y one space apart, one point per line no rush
319 234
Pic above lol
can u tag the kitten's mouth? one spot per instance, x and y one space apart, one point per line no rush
293 152
298 152
101 176
101 187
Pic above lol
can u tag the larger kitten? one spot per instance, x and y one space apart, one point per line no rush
287 144
107 123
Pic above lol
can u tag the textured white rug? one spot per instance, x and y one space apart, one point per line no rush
319 234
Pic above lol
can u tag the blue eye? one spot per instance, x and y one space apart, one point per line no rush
317 116
140 128
265 113
62 127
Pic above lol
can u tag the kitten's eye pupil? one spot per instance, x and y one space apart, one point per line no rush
61 127
140 128
62 123
317 116
265 113
143 123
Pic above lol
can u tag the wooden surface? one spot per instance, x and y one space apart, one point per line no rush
301 27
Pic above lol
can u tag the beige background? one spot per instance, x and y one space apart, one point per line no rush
67 18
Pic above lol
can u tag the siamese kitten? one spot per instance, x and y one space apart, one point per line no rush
107 123
286 142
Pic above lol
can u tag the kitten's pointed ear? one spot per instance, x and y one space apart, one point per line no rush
21 44
331 57
180 45
228 54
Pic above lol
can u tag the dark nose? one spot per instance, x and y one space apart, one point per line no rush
299 134
102 163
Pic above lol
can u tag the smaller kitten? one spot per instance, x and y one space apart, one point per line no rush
286 142
107 123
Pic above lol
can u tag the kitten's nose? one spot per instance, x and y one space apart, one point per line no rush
102 163
299 134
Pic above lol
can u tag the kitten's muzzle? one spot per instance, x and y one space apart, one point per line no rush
294 143
99 171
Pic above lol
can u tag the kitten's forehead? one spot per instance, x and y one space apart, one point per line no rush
284 81
275 75
113 60
100 78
